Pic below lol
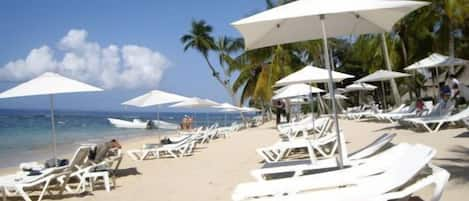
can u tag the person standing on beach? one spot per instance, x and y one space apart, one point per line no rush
278 110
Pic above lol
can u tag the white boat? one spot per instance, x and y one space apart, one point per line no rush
137 123
165 125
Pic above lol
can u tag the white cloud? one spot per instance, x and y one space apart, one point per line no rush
129 66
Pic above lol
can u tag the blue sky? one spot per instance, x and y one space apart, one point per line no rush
154 25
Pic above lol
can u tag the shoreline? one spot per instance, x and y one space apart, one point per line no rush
214 169
66 150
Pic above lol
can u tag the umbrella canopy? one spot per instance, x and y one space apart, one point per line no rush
436 60
227 107
381 75
195 102
299 21
296 90
360 87
337 96
311 74
48 84
250 109
306 20
155 97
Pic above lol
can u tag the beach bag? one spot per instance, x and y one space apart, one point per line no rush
165 141
60 162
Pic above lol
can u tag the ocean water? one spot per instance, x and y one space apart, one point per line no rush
25 135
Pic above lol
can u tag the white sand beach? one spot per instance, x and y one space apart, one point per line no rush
214 169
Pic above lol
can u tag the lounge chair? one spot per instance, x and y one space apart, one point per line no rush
300 167
13 185
320 128
403 170
176 150
438 121
325 145
304 126
368 112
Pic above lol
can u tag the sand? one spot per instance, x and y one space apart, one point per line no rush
213 171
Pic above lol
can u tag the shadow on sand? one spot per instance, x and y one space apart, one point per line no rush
127 172
457 166
462 135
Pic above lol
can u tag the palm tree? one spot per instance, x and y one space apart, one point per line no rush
199 38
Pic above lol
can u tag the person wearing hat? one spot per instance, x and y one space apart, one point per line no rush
446 104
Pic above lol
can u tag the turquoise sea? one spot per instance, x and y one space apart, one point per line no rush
25 134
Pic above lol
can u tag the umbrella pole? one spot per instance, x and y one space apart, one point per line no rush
394 89
438 81
52 122
158 116
384 95
332 93
225 118
312 106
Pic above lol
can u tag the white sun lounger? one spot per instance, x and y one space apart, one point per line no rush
176 150
438 121
281 149
377 179
304 124
13 185
321 126
299 167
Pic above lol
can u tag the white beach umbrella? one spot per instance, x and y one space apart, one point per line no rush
49 84
196 102
436 60
226 107
296 90
360 87
306 20
250 109
337 96
155 98
312 74
381 76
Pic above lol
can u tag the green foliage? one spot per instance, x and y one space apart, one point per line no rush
414 37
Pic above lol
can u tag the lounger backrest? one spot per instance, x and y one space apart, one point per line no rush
402 171
428 105
373 147
464 114
79 157
328 179
397 109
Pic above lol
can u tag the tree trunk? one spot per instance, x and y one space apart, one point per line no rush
412 82
225 85
451 45
395 91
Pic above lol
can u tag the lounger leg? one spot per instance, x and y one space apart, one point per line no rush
264 155
173 154
44 188
106 182
441 179
427 127
4 192
23 194
437 128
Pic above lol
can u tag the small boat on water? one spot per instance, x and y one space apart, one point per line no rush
137 123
